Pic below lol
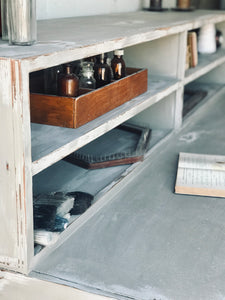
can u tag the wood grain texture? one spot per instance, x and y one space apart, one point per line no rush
106 164
98 102
8 211
52 110
75 112
15 177
200 191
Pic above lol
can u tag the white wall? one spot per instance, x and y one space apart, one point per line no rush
48 9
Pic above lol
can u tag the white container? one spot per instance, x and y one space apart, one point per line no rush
207 39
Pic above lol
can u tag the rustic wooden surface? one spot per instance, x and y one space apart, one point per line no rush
64 40
123 30
100 101
16 213
75 112
52 110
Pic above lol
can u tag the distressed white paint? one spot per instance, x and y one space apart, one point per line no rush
14 286
80 37
8 189
67 40
16 180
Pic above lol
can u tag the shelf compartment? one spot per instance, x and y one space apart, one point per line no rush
197 94
51 143
113 149
66 177
160 56
206 63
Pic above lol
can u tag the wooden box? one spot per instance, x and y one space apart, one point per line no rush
74 112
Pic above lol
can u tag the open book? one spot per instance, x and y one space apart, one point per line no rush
200 174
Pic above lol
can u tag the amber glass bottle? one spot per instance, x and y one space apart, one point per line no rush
68 83
102 71
118 65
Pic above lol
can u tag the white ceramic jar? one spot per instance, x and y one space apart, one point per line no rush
207 39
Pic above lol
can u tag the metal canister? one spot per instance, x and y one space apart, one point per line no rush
155 4
4 19
22 22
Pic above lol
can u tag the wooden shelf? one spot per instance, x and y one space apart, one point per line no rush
66 177
133 203
51 143
146 221
63 40
206 63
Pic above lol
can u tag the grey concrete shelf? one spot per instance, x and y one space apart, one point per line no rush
145 235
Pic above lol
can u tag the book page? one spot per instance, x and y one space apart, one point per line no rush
200 172
202 161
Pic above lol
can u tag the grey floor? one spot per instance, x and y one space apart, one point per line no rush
147 242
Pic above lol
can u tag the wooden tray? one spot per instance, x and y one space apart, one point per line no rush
90 104
125 144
